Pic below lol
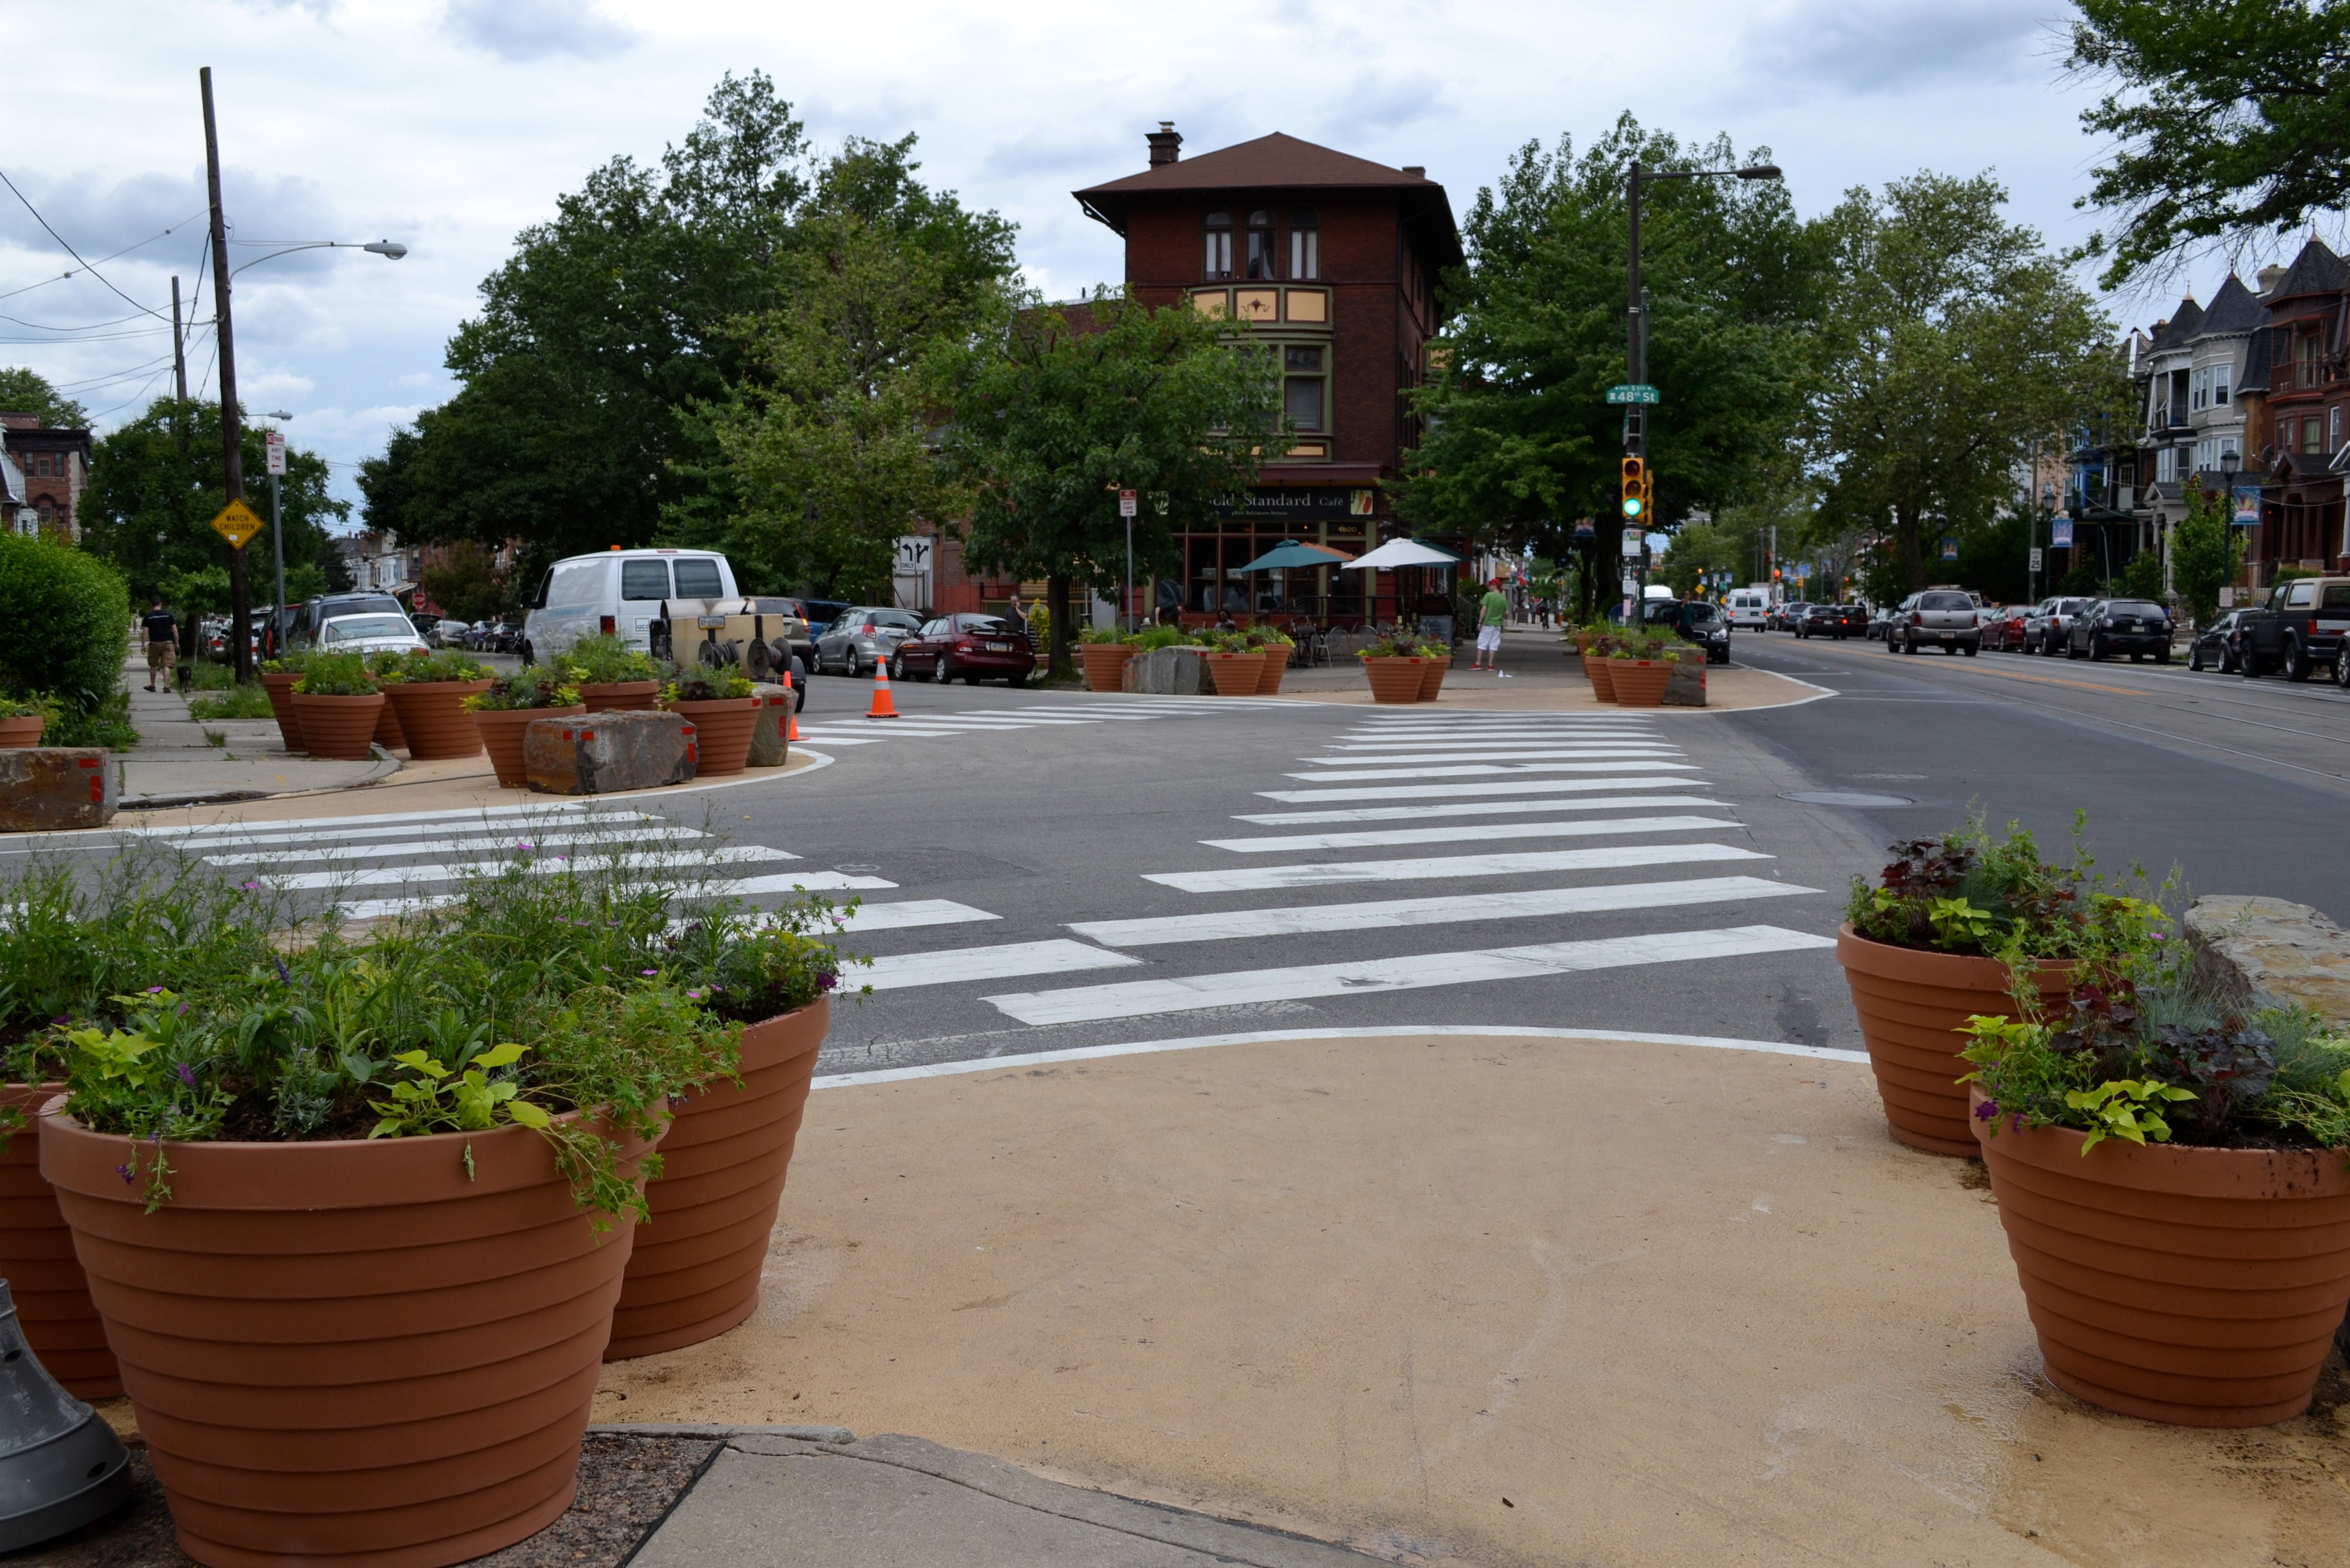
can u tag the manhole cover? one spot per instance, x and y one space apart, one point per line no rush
1845 797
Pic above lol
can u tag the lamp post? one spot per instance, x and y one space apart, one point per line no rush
240 586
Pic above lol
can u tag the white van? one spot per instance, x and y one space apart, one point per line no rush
622 592
1749 607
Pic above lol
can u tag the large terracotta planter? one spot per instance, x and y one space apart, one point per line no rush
723 730
1395 678
620 696
1912 1003
338 727
502 730
1640 683
696 1268
359 1351
387 732
2198 1286
36 1259
1431 680
433 718
1105 664
1277 665
1236 674
1601 670
280 687
20 732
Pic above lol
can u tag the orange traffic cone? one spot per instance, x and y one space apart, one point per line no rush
792 718
882 707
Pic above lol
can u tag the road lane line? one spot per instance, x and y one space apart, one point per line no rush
1495 770
951 965
908 913
1448 754
1529 786
1470 833
1324 874
538 842
537 865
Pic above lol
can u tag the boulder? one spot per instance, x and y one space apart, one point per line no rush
2266 952
1170 672
602 754
769 749
1685 687
43 788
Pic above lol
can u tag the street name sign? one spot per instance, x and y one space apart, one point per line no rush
237 524
1632 394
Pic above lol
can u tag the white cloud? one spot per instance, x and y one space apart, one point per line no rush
535 29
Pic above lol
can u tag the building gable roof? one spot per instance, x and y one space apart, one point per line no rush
2232 309
2316 270
2181 327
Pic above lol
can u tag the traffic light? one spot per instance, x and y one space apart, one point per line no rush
1636 489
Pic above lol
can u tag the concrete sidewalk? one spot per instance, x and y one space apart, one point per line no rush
178 763
1539 669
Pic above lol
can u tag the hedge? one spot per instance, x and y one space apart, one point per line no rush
65 622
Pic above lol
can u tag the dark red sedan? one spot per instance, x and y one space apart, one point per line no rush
975 648
2003 628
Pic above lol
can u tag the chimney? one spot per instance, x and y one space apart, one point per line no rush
1166 144
2269 277
1417 171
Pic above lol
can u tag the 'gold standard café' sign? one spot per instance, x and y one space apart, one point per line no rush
1299 501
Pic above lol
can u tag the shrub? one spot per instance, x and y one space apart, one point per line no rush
1151 639
538 686
247 701
28 706
65 623
711 683
605 661
336 675
416 667
1964 893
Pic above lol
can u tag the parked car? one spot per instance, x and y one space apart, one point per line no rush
1749 607
1838 621
821 615
374 633
1782 615
448 633
861 638
2135 626
1879 619
974 647
2003 629
620 593
2051 621
1694 620
2300 628
1939 618
310 615
2215 646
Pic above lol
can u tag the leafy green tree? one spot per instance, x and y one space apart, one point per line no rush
65 624
1064 408
155 485
463 580
1521 440
1954 342
2204 554
24 392
2232 121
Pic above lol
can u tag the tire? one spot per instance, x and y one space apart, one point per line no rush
2070 651
2162 657
940 673
2342 665
2097 654
2194 658
897 667
2295 662
1909 646
2248 665
1972 649
1016 682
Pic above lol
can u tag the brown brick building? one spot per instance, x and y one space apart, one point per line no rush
55 464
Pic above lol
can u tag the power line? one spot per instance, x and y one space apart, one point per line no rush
125 251
69 249
48 327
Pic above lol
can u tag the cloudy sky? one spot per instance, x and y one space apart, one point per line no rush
450 124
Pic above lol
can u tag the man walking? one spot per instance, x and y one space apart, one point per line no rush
1495 610
162 643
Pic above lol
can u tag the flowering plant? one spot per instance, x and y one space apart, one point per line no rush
1966 893
711 683
537 686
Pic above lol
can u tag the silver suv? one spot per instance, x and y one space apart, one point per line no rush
2049 627
1939 616
862 638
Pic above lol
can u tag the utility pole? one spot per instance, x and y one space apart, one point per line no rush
239 590
178 353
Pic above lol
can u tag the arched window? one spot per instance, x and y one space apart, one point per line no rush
1263 261
1305 242
1219 244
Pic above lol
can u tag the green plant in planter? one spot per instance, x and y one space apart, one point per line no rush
709 683
1433 650
1390 645
336 675
1151 639
416 667
750 965
1098 635
1263 636
537 686
30 705
604 659
1966 893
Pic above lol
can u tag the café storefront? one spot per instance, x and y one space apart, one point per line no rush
1341 517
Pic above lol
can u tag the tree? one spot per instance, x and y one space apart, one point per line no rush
24 392
463 580
1065 407
1954 342
2204 553
2232 120
1522 440
155 485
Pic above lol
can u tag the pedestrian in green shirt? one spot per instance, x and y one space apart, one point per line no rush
1489 624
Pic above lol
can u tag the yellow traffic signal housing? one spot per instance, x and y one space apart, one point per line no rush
1636 489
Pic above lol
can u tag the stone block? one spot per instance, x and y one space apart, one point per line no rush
43 788
2267 953
769 749
600 753
1685 687
1170 672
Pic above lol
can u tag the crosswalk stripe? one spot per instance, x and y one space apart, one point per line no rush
1084 1004
841 732
547 866
1465 833
453 832
536 841
739 887
1375 914
1471 808
384 909
1492 770
1092 715
1583 753
951 965
321 824
1323 874
1357 741
908 913
1523 786
814 739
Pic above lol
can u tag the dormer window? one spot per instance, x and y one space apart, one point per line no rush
1219 244
1263 261
1305 244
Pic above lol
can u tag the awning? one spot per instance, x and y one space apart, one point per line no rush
1290 553
1406 553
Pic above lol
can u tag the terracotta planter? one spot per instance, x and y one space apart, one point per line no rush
432 716
1911 1004
387 732
338 727
280 687
502 730
1431 681
723 730
1236 674
24 732
620 696
696 1268
36 1259
1640 683
1395 680
1277 665
1601 669
1105 664
358 1350
2198 1286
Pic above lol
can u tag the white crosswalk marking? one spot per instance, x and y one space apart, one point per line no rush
1494 770
1472 808
1376 914
1059 956
1528 786
324 826
911 912
651 860
1466 832
1260 879
1091 1004
1547 753
509 839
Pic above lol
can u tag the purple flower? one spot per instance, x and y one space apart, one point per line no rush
154 990
649 972
126 1174
2016 1125
249 887
187 1074
521 844
1987 1110
693 996
826 982
284 977
61 1018
2159 937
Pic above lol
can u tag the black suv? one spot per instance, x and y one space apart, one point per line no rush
2135 626
1695 621
1838 621
2299 629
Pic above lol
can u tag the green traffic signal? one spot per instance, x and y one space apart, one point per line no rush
1631 506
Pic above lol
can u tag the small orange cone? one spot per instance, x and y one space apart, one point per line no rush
882 707
792 718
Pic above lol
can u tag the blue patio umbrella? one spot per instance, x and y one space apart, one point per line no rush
1290 553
